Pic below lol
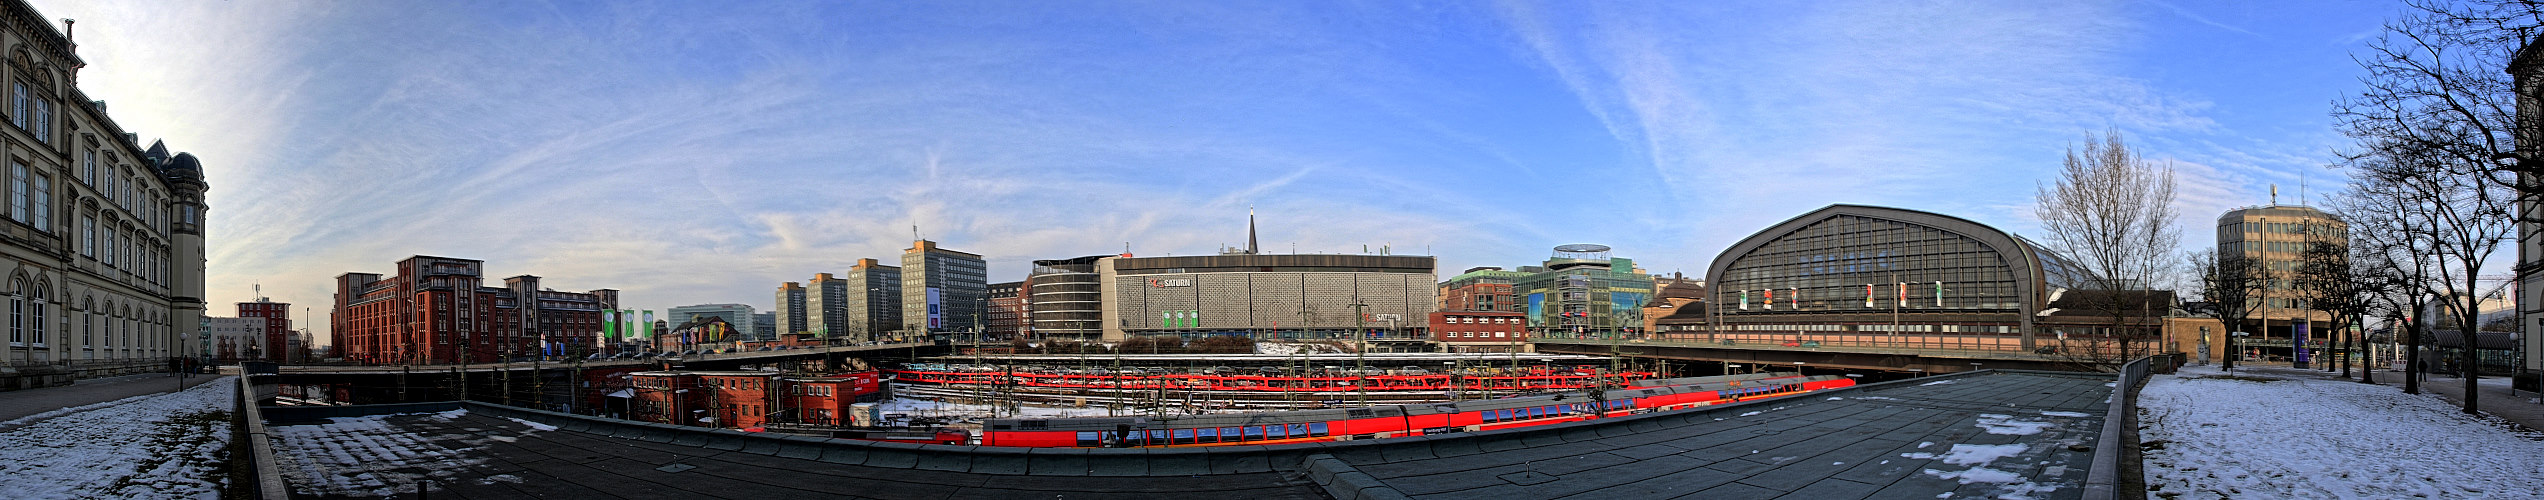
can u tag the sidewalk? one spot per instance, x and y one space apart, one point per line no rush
21 403
2496 400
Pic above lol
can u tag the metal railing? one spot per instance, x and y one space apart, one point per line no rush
2102 482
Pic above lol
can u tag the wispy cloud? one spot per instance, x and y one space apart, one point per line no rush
688 153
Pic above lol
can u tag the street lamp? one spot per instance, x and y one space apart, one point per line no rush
1797 368
1728 367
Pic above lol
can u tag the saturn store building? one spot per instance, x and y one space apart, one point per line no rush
1335 297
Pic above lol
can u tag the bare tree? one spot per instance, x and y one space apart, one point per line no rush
2461 218
2111 212
2393 260
2326 278
2232 286
2435 83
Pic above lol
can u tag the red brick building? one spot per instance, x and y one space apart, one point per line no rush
825 400
1479 331
274 343
436 310
666 398
1007 318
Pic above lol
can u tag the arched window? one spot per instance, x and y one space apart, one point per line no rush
35 320
106 332
17 312
88 326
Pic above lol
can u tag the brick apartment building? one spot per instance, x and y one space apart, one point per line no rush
273 344
436 310
1007 318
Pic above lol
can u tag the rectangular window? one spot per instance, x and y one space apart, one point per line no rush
43 203
18 109
1316 429
88 235
18 191
88 169
43 121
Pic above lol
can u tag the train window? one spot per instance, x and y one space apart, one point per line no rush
1253 433
1300 430
1276 432
1230 434
1316 429
1089 440
1206 435
1183 436
1156 438
1500 415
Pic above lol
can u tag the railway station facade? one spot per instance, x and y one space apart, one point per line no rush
1867 276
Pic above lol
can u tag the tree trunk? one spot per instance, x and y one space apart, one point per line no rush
2367 364
2411 364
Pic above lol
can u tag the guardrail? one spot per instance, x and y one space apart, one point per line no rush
2119 423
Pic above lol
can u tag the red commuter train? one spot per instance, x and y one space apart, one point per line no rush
1397 420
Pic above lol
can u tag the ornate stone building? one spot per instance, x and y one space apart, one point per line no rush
103 239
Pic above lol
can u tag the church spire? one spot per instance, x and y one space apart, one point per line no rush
1250 242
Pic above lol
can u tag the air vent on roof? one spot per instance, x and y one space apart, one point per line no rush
1036 424
1361 413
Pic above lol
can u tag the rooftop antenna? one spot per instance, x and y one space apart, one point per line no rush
2301 188
2274 194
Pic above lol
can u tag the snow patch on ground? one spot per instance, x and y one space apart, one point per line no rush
1877 397
1756 413
166 445
2007 425
1941 382
2074 414
2224 438
370 456
1977 454
535 426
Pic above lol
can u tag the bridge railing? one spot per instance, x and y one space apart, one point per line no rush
2118 442
256 468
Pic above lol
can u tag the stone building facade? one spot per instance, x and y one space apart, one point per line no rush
103 241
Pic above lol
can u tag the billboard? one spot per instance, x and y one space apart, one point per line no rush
935 308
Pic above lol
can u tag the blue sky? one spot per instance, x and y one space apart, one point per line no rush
689 152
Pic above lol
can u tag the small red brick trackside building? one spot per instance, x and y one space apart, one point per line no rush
705 399
824 401
1479 331
666 398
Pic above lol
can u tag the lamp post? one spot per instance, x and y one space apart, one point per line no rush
1728 367
1797 368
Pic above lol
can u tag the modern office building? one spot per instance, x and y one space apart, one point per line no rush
275 342
1065 299
104 238
1583 292
743 318
436 310
1865 276
942 290
1384 298
764 326
874 300
2276 236
1006 317
826 305
792 317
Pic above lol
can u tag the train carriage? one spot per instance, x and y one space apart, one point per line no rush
1379 422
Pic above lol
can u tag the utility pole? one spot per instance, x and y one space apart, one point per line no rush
1360 375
